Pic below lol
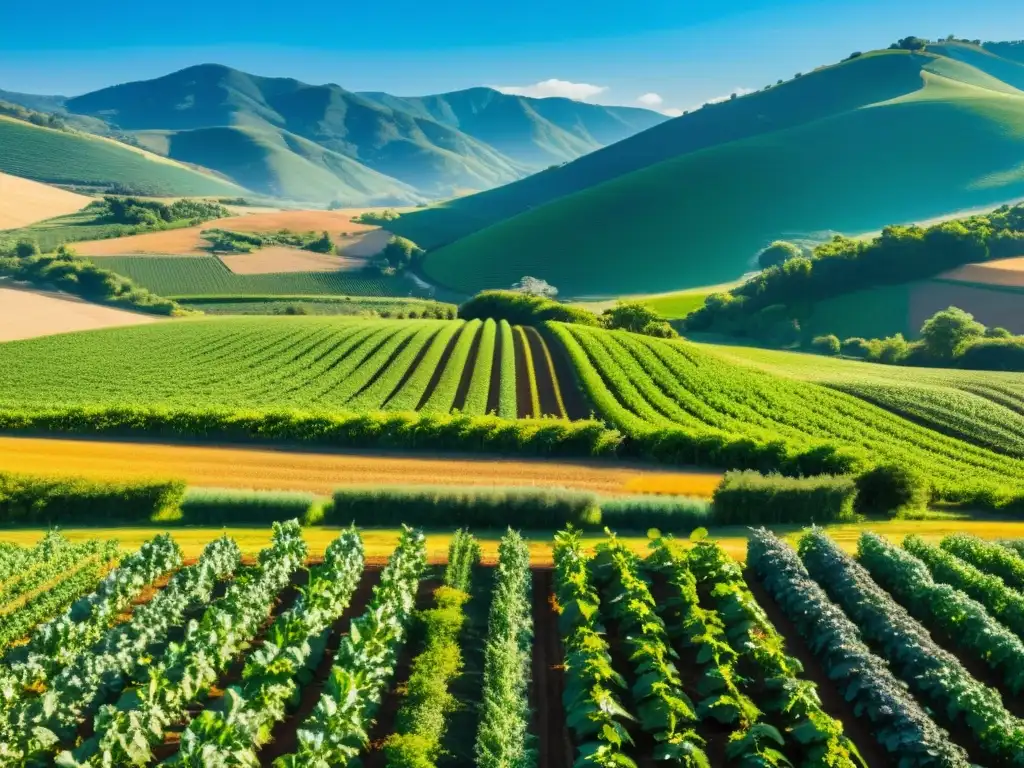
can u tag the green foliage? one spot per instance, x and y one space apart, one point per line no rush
827 345
480 382
503 735
508 405
463 557
473 506
154 214
376 217
442 398
322 244
65 271
522 309
910 44
402 252
991 558
746 498
945 333
665 513
898 723
778 253
28 499
889 489
637 317
932 673
25 249
224 506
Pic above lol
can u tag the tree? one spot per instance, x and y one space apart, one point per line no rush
997 333
827 345
777 253
322 244
910 44
534 286
630 316
26 249
946 331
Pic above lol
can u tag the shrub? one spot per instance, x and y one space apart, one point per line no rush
523 309
826 345
447 506
637 317
216 506
672 514
777 253
856 347
889 489
747 498
28 499
26 249
322 244
402 251
994 354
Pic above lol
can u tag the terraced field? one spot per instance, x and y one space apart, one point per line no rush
642 385
903 655
316 363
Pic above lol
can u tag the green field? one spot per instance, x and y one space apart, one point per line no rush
78 159
640 384
666 210
312 363
317 305
199 276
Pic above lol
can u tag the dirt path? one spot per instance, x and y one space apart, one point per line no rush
278 469
555 748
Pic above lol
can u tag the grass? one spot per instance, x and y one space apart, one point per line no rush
316 305
379 543
58 157
664 211
191 277
675 306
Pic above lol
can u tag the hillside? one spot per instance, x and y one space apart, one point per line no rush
24 202
368 147
59 157
841 149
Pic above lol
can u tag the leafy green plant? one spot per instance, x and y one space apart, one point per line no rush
990 558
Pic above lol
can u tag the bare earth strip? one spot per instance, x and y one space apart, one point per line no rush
188 242
278 258
1008 272
270 469
24 202
26 314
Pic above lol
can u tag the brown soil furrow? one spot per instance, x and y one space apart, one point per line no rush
384 720
555 748
856 729
575 402
283 738
524 398
494 394
547 385
467 372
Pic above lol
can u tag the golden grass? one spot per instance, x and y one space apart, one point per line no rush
26 314
380 542
1002 272
278 469
24 202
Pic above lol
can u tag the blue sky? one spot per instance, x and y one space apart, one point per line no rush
684 52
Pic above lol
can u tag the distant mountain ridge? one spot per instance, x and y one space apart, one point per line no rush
286 138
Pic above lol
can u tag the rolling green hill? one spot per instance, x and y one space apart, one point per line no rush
59 157
889 136
370 147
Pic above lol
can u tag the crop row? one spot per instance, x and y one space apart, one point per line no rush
326 364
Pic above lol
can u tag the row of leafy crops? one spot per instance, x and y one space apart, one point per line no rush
991 558
312 363
422 719
502 737
49 714
508 404
643 385
934 675
127 732
33 599
899 724
338 729
233 733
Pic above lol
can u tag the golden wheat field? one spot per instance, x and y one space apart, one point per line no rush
27 314
24 202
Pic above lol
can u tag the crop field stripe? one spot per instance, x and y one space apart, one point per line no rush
299 359
442 398
325 363
507 403
468 370
427 371
16 600
529 396
338 373
374 365
395 370
479 394
549 393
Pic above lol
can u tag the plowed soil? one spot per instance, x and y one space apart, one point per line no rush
1008 272
24 202
555 748
547 384
279 258
28 314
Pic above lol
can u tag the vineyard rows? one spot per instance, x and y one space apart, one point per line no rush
905 655
434 366
642 385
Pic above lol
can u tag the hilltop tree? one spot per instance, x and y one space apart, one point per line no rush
947 331
777 253
910 44
534 286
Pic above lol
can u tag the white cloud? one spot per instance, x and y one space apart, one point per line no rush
650 100
549 88
719 99
672 112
